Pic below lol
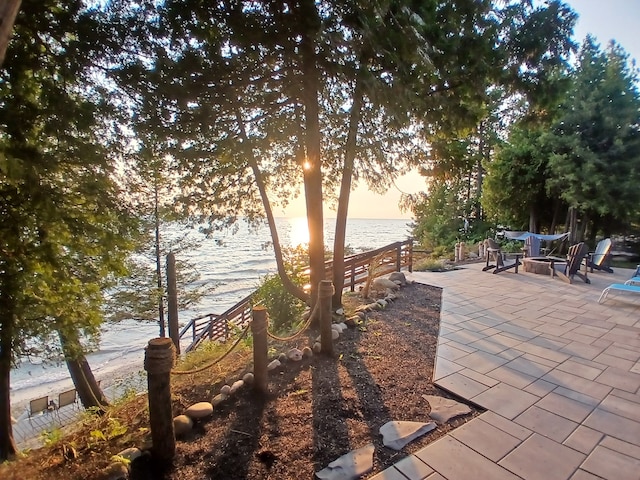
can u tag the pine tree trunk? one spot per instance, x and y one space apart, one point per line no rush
8 13
90 393
7 444
343 199
312 170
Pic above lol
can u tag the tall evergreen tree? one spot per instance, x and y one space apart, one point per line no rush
257 98
64 231
594 164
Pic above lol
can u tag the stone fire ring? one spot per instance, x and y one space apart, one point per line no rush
540 265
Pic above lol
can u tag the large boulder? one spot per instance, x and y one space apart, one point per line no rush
398 278
382 284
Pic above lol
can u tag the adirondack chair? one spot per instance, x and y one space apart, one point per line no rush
495 253
600 259
571 268
532 247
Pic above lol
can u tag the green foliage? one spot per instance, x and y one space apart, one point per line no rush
595 141
51 437
439 215
113 429
284 309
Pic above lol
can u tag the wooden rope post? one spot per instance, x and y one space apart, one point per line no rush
172 302
259 332
325 292
158 362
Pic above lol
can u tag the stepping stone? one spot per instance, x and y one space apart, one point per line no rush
397 434
199 410
349 466
444 409
182 425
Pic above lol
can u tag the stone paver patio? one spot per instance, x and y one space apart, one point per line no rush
558 373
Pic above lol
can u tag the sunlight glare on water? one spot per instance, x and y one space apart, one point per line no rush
299 234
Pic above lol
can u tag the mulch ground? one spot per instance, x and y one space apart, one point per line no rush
317 410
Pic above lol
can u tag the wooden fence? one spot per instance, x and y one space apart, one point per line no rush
390 258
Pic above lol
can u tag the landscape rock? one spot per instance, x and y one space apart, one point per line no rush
317 347
282 358
381 284
182 425
340 311
382 303
444 409
307 352
334 326
115 471
349 466
352 322
131 453
225 390
274 364
294 354
397 434
335 334
237 385
199 410
248 378
218 399
362 315
343 326
398 277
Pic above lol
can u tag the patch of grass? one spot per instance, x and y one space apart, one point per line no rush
429 265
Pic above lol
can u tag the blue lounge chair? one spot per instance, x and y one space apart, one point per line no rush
600 259
622 287
635 279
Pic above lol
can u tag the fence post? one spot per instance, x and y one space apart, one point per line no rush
172 302
259 332
398 257
410 246
325 292
353 274
158 362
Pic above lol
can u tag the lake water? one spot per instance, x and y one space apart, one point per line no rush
234 262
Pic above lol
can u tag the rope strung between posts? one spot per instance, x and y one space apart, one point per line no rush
217 360
295 335
322 293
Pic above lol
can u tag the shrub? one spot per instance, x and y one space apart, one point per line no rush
284 309
429 265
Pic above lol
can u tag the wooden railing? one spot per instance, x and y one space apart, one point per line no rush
390 258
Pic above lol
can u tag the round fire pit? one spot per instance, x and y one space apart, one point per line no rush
540 265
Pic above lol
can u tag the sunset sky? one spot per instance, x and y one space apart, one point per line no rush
606 20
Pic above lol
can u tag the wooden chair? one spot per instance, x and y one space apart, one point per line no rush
571 268
532 247
70 397
38 405
495 253
600 259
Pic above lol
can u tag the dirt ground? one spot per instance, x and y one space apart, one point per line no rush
317 410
